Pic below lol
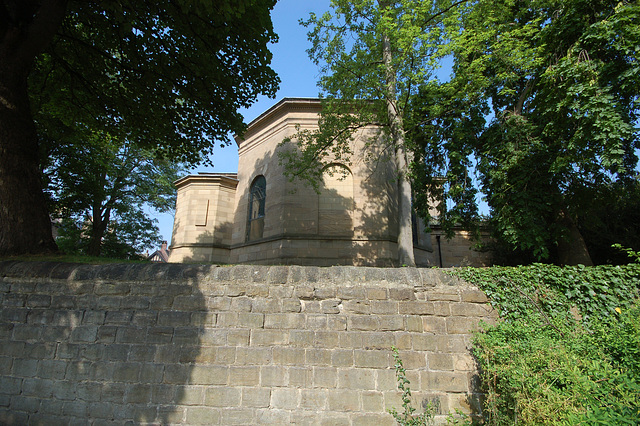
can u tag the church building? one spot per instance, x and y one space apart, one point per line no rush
258 216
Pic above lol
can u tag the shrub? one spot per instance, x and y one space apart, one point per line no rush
568 348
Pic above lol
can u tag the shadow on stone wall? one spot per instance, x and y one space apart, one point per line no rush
114 343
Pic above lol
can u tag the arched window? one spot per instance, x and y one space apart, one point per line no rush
335 203
257 199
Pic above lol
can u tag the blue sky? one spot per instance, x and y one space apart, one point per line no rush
297 73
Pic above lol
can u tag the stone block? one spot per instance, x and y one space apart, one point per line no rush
317 322
373 419
363 323
177 374
100 411
269 416
442 309
51 369
377 340
84 333
416 307
384 307
336 322
163 394
403 340
285 399
356 378
25 367
25 403
324 377
203 416
443 295
440 361
402 294
372 358
223 396
78 371
14 315
174 318
255 397
391 322
330 306
190 394
473 296
241 304
127 334
472 310
10 385
300 377
240 337
250 320
372 402
444 381
253 356
433 324
159 335
64 390
344 400
213 337
106 334
26 332
313 399
138 394
281 292
318 357
128 372
237 416
291 305
302 338
261 337
283 355
244 375
151 373
209 375
40 317
273 376
462 325
285 320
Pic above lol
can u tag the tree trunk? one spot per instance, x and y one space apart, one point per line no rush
26 27
25 226
98 228
572 250
405 237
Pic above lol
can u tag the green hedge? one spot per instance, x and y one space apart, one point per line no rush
567 350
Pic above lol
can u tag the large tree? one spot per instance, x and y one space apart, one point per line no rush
168 76
558 82
101 192
372 56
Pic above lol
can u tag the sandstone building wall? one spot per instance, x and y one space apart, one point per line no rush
189 344
352 221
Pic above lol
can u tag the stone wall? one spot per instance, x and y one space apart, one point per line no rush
190 344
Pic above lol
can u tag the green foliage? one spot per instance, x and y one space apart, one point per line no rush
630 253
101 190
407 417
543 104
567 350
169 75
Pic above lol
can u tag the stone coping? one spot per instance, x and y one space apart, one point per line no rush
154 272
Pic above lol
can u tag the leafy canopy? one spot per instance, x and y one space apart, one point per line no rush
544 96
348 47
169 76
101 191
